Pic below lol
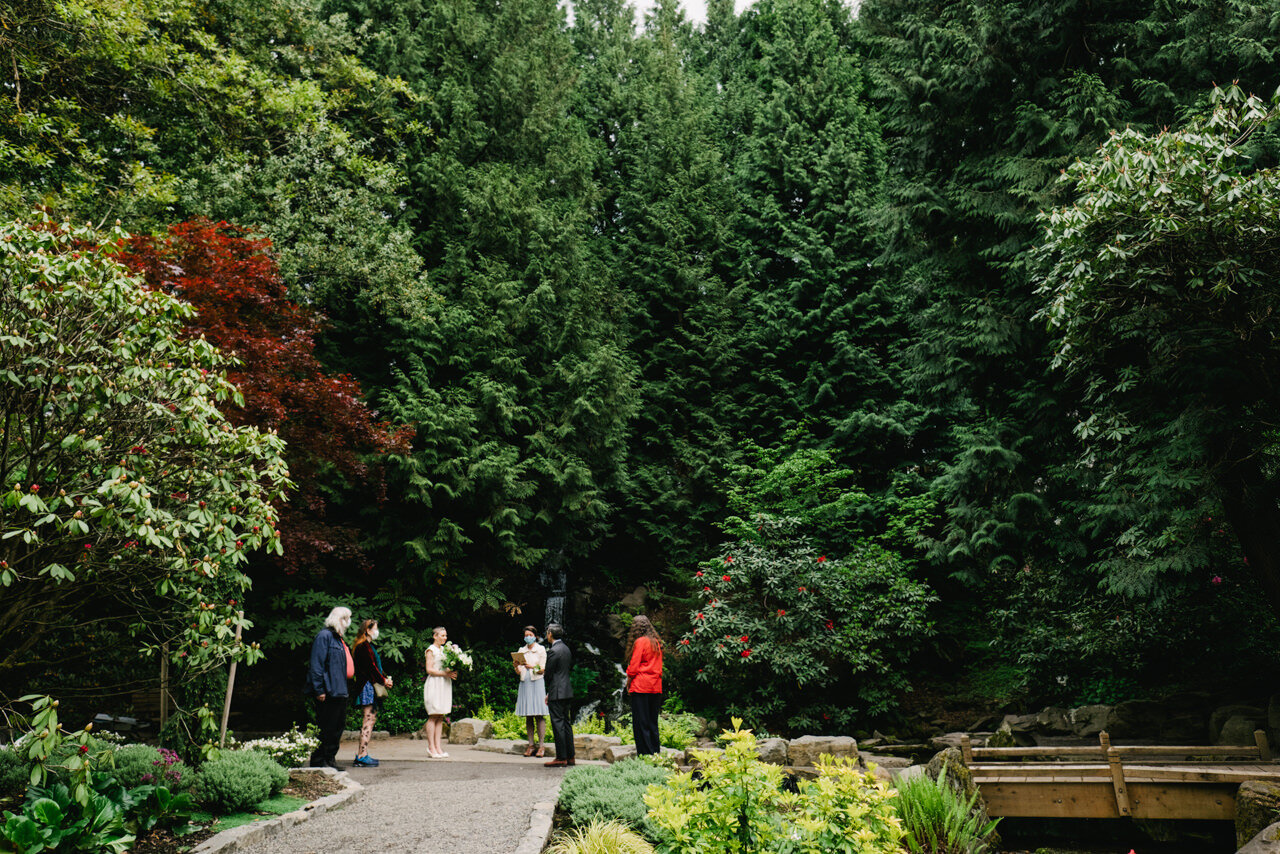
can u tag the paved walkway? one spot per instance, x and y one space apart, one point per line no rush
471 803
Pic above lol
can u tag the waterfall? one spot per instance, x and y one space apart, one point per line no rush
618 695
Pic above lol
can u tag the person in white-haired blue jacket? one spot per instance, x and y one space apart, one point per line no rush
331 667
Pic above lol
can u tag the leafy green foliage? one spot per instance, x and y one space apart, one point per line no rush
139 764
938 820
120 475
1159 282
53 820
239 779
612 793
736 803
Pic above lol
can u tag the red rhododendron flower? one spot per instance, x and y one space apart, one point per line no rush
726 578
782 612
706 590
802 589
84 748
745 653
699 616
830 624
822 559
728 559
698 573
684 641
744 638
1217 579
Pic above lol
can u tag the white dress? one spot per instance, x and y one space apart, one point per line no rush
437 691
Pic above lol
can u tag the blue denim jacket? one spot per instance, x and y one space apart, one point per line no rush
328 671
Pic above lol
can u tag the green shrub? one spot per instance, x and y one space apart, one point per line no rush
15 772
142 764
608 837
611 793
939 820
737 803
239 780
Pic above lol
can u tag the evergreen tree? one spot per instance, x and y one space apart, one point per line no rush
663 221
821 333
514 372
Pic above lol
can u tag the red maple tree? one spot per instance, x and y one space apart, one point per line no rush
243 308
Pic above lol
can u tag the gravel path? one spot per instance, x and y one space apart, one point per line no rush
437 807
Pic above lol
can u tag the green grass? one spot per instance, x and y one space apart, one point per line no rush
269 808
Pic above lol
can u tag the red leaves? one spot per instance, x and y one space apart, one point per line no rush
243 309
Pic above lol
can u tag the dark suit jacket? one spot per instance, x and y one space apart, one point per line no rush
559 663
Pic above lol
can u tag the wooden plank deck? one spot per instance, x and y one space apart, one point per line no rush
1167 782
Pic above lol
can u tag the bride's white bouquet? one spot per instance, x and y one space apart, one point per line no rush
454 657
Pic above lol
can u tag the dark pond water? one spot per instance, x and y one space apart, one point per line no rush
1115 836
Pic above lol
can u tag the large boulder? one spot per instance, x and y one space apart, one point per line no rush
950 739
1266 842
469 731
806 749
1019 730
1089 720
1137 719
773 750
1253 717
1053 720
1257 806
591 746
1239 730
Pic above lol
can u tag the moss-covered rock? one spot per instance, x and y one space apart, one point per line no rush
1257 805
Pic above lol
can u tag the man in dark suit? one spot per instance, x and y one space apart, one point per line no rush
560 695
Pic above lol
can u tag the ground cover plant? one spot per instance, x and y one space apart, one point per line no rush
613 793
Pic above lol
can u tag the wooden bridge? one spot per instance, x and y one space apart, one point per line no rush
1114 781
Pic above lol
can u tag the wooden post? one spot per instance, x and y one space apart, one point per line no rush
231 684
1117 775
164 684
966 749
1264 747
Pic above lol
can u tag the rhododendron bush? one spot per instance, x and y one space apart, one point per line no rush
785 635
125 492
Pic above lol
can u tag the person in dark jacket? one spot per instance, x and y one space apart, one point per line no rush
331 667
560 695
368 673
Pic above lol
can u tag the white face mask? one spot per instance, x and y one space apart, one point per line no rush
373 633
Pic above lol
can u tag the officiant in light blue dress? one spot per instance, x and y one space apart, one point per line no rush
531 698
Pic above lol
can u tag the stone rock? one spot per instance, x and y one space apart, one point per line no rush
987 724
961 779
806 749
635 599
1257 806
514 747
1273 713
1137 719
942 742
617 628
773 750
1020 723
889 762
1266 842
1238 730
1222 714
617 752
469 731
1089 720
1053 719
591 746
1001 738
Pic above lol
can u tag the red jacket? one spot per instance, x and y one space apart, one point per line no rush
645 669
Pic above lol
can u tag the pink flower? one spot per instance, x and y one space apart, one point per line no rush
1217 579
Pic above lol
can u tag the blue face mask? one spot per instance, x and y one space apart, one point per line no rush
528 639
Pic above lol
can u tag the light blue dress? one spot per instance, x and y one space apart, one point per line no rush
531 697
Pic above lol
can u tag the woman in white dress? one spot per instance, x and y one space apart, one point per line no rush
437 692
531 699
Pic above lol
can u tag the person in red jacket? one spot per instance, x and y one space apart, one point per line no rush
644 683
